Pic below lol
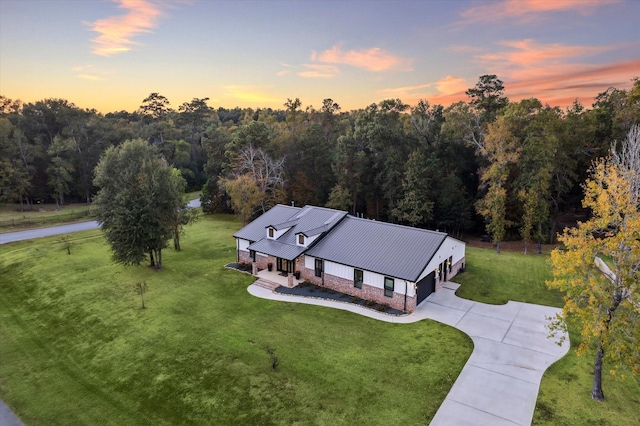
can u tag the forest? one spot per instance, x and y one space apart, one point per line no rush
488 165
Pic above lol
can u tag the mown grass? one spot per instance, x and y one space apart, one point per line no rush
565 394
78 349
565 391
12 219
497 278
42 215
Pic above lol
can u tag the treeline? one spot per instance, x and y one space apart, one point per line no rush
512 167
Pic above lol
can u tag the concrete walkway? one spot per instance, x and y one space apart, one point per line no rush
500 381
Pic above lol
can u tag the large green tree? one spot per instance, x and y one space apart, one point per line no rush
487 96
138 201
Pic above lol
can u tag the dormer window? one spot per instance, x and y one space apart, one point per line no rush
270 232
301 239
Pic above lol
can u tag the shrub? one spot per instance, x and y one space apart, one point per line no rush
383 307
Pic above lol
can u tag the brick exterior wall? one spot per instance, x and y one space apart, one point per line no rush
342 285
261 261
367 292
243 256
454 271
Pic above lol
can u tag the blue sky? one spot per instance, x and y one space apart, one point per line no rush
111 54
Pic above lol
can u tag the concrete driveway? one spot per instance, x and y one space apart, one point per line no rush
499 383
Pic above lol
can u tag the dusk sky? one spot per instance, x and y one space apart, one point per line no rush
111 54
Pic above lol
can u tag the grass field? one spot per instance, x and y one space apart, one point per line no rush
12 219
497 278
565 391
78 349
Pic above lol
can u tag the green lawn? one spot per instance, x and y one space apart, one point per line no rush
77 349
497 278
565 391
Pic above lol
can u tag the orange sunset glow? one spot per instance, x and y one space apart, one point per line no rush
109 55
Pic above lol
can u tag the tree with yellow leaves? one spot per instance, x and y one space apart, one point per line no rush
599 266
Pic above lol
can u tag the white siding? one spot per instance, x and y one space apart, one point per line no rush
451 247
369 278
243 244
276 234
307 240
309 262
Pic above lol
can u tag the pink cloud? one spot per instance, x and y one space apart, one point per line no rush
447 90
451 85
116 33
319 71
582 82
528 9
527 53
555 73
373 59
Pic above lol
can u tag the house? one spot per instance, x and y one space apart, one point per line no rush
383 262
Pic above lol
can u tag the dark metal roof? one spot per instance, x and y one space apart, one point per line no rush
283 225
393 250
277 249
255 230
308 220
314 231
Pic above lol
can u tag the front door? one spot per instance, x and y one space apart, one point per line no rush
284 265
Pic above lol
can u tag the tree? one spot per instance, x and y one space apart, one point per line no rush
535 171
502 151
488 96
267 174
156 109
60 168
427 121
141 288
245 196
184 215
602 296
416 207
340 198
137 202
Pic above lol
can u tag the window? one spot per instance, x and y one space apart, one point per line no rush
270 232
301 239
388 287
357 278
252 255
318 267
450 263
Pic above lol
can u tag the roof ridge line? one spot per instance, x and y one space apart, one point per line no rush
397 225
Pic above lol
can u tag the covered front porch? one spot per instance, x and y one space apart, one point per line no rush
277 277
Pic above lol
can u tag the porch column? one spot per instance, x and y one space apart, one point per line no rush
254 268
290 280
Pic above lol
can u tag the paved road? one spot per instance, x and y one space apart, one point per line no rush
30 234
499 383
7 418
